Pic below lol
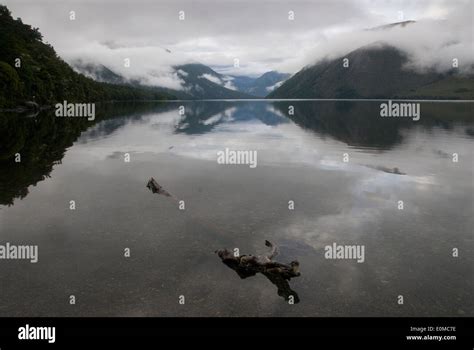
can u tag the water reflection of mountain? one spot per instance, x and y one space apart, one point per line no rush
359 123
119 115
200 117
42 141
203 117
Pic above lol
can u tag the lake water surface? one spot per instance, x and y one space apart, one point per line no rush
408 252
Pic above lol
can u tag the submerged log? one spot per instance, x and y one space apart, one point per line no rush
249 265
155 187
388 170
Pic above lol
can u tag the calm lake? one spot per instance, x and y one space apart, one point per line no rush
344 167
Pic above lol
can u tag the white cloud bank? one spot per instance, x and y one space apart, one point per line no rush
430 44
226 81
259 34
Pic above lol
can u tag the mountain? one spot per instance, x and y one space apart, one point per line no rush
260 86
30 70
98 72
199 81
242 82
202 82
268 82
101 73
375 71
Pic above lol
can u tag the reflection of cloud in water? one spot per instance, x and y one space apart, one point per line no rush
277 144
225 116
347 203
372 195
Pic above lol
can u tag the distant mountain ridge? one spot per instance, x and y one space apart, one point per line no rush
199 81
202 82
261 86
374 71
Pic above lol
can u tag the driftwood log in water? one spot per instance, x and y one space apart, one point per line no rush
249 265
385 169
155 187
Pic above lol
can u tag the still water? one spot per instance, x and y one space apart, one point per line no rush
408 252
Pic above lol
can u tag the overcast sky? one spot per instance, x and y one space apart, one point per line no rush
257 33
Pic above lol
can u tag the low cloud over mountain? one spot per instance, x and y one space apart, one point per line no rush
264 36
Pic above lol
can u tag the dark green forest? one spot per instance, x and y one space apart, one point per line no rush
30 70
